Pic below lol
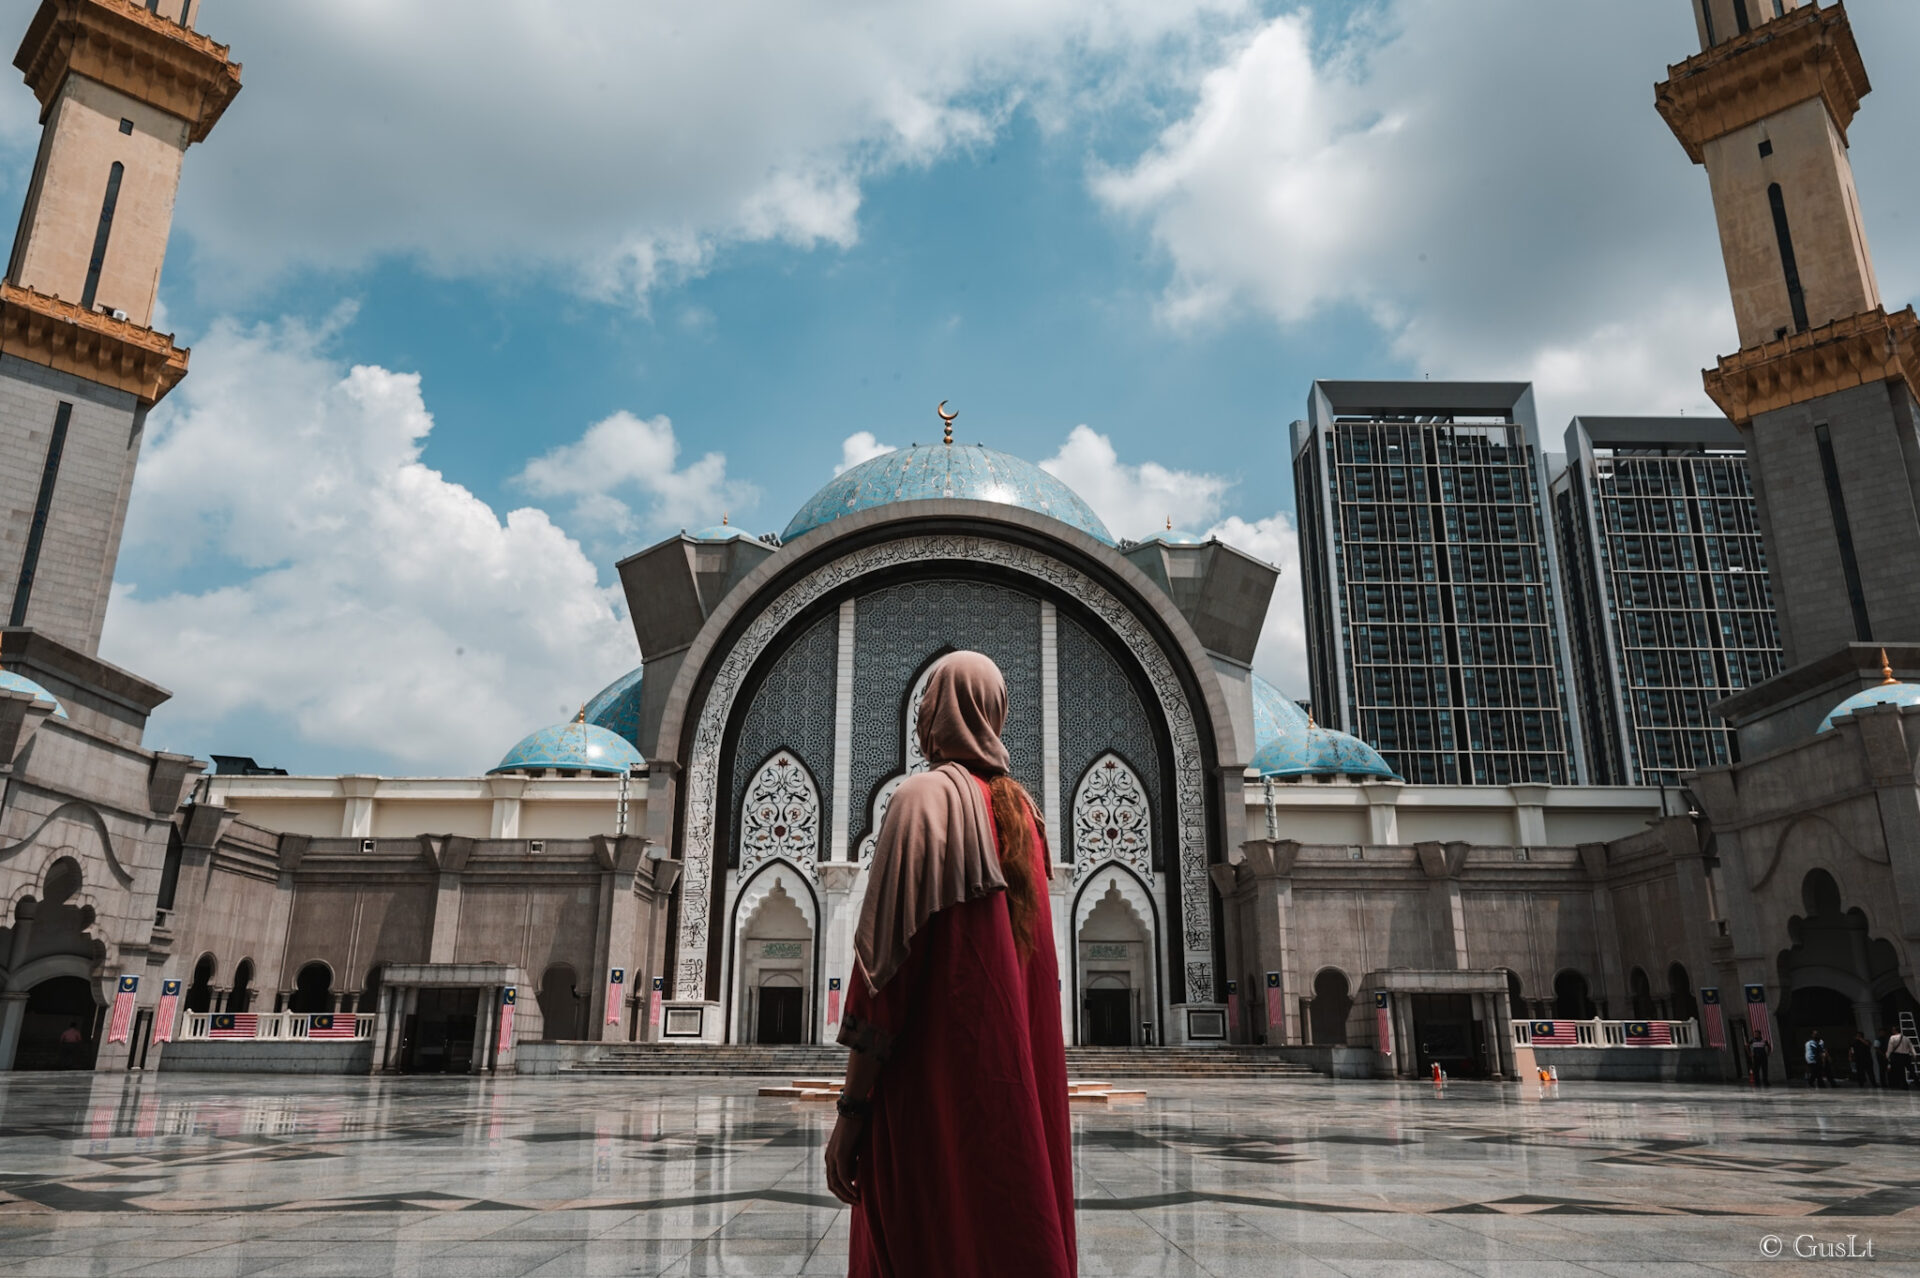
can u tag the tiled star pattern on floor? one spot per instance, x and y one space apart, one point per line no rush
223 1176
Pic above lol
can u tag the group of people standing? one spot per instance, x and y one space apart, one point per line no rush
1868 1064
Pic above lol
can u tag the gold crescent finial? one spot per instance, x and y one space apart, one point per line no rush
946 420
1169 523
723 519
1310 723
1886 669
583 713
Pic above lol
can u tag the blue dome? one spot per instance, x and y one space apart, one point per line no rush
616 707
1886 694
11 682
583 746
1288 744
720 532
1174 537
968 471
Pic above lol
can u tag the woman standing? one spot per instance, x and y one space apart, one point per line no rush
952 1143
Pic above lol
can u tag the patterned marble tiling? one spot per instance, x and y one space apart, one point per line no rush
215 1176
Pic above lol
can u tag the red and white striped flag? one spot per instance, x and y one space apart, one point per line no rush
508 997
1383 1022
165 1014
120 1028
654 999
1757 1012
233 1025
1276 1011
333 1025
1233 1006
833 1000
1648 1034
1710 1020
1553 1033
616 989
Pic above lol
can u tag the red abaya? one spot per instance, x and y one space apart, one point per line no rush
967 1169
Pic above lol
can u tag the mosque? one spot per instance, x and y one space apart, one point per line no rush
683 862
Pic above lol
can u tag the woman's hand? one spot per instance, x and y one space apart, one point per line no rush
843 1158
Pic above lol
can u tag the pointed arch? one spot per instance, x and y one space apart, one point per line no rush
1112 820
783 878
780 816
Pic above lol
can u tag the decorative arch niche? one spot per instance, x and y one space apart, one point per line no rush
780 816
1112 820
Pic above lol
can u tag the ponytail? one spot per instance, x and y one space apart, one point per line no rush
1013 824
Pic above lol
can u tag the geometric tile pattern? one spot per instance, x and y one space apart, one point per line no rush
1101 712
792 711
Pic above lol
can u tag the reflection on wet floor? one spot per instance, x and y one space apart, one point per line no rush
207 1175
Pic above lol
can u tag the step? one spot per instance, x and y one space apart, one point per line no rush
812 1066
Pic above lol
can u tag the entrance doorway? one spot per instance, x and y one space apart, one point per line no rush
780 1011
440 1033
55 1007
1445 1032
1110 1017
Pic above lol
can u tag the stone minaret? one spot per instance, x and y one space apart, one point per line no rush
1822 386
125 87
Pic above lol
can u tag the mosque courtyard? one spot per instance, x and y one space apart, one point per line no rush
230 1175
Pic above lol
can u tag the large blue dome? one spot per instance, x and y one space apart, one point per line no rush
616 707
1886 694
1286 743
583 747
968 471
11 682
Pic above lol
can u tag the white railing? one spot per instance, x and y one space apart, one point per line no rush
1599 1033
274 1026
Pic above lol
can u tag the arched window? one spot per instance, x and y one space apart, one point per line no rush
200 989
1516 1005
370 991
312 989
1570 1000
1640 993
242 997
1681 1004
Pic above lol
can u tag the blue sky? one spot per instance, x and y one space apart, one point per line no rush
479 307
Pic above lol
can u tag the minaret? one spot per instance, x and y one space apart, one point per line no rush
125 88
1823 386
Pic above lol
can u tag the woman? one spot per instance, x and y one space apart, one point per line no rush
952 1144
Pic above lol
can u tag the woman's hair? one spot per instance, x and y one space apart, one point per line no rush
1013 822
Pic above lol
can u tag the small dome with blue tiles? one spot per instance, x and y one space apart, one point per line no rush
616 707
722 531
969 472
11 682
1288 743
1890 692
1174 536
576 746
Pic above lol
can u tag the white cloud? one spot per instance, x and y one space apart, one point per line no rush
379 608
1134 501
639 457
620 144
1488 182
861 446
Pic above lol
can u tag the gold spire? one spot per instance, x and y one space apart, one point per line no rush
1886 669
1310 723
1169 523
583 713
946 420
723 519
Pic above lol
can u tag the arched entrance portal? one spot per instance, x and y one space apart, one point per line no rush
1115 943
59 1012
1836 977
773 962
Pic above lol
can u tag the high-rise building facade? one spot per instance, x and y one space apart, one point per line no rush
124 90
1668 604
1433 630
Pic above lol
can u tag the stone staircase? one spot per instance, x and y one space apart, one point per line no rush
827 1061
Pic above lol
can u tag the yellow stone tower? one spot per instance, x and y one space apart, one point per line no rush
1823 383
124 89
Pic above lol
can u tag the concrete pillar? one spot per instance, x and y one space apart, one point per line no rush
1405 1060
13 1014
489 997
383 1031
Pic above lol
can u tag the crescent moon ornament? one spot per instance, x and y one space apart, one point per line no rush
946 420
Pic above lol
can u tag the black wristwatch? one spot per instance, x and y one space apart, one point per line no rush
853 1108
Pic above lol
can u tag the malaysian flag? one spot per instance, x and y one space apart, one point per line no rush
1233 1004
659 992
1757 1013
833 1000
163 1015
1276 1010
233 1025
1649 1034
1710 1017
616 986
1383 1022
1552 1033
508 996
333 1025
121 1027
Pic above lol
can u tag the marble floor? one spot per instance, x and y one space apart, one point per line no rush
210 1176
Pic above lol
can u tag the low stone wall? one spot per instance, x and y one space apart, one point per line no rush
1635 1064
249 1056
1336 1062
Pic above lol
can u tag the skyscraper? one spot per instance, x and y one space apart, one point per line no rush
124 90
1426 556
1668 606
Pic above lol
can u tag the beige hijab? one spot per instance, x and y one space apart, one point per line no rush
936 845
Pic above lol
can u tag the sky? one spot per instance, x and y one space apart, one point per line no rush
483 298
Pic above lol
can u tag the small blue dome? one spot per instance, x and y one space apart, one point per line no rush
1886 694
1175 537
586 747
616 707
1286 743
11 682
720 532
967 471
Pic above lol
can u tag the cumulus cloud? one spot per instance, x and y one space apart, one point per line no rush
1488 181
349 588
1134 501
626 456
859 447
622 144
